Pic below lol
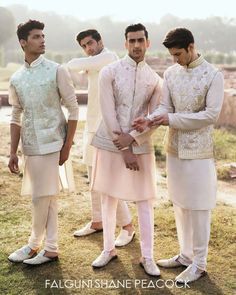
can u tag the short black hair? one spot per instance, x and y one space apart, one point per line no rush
135 28
24 29
178 38
91 32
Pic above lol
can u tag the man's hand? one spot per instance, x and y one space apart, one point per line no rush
122 140
140 124
160 120
13 164
130 160
64 154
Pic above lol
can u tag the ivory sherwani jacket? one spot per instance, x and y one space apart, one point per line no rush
193 97
127 90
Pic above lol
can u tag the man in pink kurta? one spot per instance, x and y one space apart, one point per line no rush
128 88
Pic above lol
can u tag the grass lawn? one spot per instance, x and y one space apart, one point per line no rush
76 255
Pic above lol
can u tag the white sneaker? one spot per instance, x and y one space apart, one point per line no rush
171 262
21 254
103 259
86 230
150 267
190 274
40 259
124 238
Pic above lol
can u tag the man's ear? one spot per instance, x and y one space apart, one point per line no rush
191 47
22 43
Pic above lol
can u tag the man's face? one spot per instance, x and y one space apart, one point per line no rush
181 56
90 46
35 43
136 44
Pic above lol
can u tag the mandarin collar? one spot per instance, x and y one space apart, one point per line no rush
133 63
196 62
35 63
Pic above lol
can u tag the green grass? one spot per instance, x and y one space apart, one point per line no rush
76 255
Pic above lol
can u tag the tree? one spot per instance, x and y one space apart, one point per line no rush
7 25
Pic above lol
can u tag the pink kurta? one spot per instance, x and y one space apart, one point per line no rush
111 177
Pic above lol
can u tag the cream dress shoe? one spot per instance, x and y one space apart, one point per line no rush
171 262
21 254
190 274
40 259
150 267
86 230
124 238
103 259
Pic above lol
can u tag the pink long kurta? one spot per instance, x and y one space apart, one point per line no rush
127 90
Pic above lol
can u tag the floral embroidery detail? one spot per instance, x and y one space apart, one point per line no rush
188 92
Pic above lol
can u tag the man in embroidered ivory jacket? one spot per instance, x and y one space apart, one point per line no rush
128 88
98 57
36 90
191 103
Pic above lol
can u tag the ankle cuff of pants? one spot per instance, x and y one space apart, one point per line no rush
34 246
200 266
51 248
184 261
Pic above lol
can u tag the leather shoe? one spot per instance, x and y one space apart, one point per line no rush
124 238
171 262
40 259
103 259
21 254
190 274
150 267
86 230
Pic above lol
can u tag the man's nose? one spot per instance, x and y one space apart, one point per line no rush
136 44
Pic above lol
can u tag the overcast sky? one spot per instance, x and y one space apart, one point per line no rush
132 10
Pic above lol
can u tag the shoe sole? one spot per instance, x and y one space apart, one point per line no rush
127 243
51 260
147 272
113 258
96 231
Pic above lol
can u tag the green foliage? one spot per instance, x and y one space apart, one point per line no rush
225 143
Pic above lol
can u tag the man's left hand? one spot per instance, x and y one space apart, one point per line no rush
64 154
122 140
160 120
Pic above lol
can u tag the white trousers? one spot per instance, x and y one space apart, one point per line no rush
123 216
193 229
146 224
44 219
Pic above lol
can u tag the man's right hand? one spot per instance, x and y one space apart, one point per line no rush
140 124
13 164
130 160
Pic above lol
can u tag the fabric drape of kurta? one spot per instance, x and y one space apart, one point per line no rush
127 90
92 66
111 177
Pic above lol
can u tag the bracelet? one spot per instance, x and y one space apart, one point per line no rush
125 148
